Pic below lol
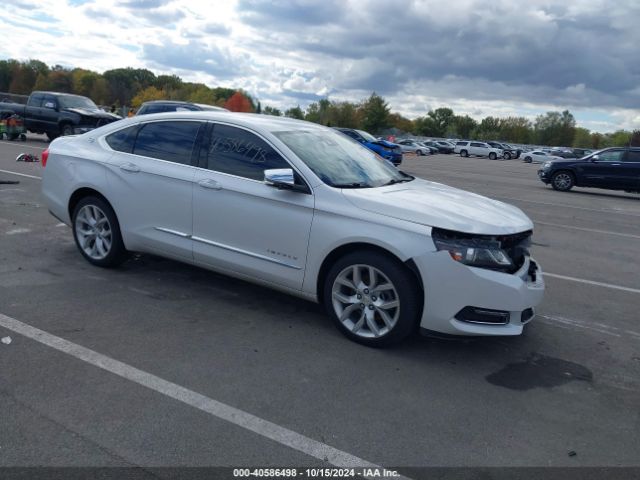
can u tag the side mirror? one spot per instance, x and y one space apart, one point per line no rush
595 158
283 179
50 105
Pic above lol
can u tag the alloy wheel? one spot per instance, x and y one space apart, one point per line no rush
93 232
562 181
365 301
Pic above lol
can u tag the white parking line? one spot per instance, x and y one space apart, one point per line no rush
21 174
592 282
208 405
563 205
593 230
21 145
597 327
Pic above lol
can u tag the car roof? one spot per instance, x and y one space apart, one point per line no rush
254 121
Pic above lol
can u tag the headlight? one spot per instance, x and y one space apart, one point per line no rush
503 253
546 165
476 253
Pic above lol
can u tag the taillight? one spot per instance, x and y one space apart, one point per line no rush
45 156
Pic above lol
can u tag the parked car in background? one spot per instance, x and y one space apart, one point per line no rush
582 152
508 152
431 148
441 145
302 209
612 168
563 154
412 146
387 150
56 114
159 106
479 149
538 156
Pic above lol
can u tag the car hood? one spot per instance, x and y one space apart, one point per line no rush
437 205
90 112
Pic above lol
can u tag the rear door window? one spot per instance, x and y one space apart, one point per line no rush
633 156
171 141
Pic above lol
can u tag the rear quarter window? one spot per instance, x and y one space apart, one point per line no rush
123 140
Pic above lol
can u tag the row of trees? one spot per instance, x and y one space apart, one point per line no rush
133 86
118 87
375 116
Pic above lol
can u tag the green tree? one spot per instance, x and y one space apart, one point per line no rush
516 130
582 138
464 125
488 129
555 128
375 114
442 119
318 112
295 112
635 139
148 94
267 110
343 114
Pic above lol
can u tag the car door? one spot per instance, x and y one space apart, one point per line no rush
603 171
48 116
479 149
150 178
630 177
241 224
33 115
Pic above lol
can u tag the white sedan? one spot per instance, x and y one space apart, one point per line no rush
300 208
412 146
538 156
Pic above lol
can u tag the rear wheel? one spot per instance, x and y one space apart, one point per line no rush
562 181
97 232
373 299
464 153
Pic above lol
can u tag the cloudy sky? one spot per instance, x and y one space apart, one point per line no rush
480 57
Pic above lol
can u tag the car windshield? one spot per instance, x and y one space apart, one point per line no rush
73 101
367 136
340 161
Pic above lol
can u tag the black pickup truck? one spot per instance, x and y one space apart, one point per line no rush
58 114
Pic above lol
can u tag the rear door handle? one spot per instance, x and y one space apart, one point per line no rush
130 167
209 183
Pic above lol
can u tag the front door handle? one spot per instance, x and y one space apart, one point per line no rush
209 183
130 167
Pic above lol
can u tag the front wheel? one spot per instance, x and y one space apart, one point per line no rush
419 153
373 299
528 159
562 181
97 233
506 156
493 156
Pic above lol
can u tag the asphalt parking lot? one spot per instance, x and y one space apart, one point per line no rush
191 344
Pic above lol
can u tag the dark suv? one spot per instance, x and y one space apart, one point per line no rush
612 168
158 106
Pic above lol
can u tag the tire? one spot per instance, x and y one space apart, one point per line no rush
464 153
493 156
528 160
364 321
109 252
420 153
506 156
563 181
66 129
